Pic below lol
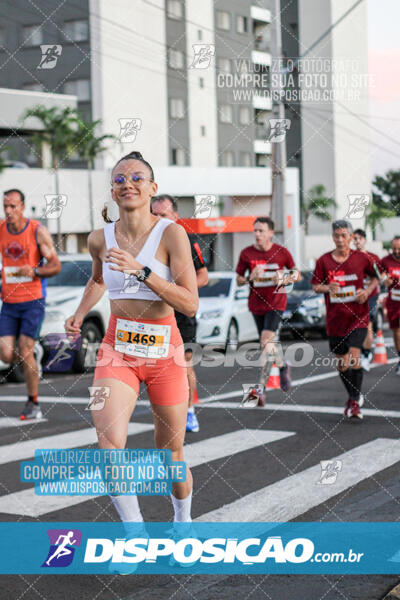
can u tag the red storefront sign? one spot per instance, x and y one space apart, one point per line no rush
218 224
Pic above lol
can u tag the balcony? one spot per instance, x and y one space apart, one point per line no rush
262 102
261 58
260 14
261 147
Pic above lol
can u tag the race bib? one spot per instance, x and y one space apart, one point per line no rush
395 294
11 277
142 339
345 294
266 279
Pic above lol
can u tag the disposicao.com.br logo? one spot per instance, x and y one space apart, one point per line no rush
190 550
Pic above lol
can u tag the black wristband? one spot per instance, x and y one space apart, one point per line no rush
35 270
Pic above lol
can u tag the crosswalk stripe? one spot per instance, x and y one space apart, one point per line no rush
295 495
72 439
16 422
27 503
306 408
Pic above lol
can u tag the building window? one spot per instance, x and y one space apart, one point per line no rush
33 87
175 58
178 157
177 108
79 88
241 24
224 65
202 131
227 159
244 115
223 20
76 31
174 9
245 159
199 34
32 35
225 113
201 82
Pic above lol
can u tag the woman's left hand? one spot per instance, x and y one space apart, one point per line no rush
121 260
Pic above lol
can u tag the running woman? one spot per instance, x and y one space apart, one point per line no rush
23 244
166 206
340 275
142 342
265 263
390 265
359 239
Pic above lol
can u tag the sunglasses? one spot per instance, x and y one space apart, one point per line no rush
121 179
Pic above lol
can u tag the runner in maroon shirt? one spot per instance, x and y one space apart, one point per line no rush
359 240
391 267
265 263
340 275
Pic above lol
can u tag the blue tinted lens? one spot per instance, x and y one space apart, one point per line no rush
119 179
136 178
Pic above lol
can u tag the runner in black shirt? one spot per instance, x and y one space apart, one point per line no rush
166 206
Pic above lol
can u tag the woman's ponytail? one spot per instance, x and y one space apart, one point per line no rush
105 215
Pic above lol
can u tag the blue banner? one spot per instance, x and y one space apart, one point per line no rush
223 548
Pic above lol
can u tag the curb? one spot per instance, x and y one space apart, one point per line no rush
394 594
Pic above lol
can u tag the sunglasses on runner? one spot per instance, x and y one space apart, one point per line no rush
134 177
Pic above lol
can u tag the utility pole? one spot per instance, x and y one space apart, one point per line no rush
278 148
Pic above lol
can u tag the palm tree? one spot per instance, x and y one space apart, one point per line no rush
58 134
378 211
89 146
317 204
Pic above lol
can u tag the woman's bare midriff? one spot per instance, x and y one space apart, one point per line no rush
137 309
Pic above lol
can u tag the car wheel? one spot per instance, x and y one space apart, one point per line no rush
232 337
15 374
91 334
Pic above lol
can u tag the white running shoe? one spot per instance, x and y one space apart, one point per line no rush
366 362
361 400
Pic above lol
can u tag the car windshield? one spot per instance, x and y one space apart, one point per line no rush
305 284
75 273
216 288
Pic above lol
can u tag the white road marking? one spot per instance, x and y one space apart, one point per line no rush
16 422
72 439
214 398
305 408
295 495
27 503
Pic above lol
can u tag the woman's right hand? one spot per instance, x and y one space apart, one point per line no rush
73 326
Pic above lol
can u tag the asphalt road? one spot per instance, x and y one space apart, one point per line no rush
246 456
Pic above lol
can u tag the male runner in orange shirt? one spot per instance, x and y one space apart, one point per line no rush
23 243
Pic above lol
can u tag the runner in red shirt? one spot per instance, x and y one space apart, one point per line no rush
340 275
359 239
391 266
265 263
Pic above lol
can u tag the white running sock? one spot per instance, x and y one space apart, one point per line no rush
191 410
128 508
182 508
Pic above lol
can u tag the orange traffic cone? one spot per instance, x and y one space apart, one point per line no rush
380 354
274 380
195 397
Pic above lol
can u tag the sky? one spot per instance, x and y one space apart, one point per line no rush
384 63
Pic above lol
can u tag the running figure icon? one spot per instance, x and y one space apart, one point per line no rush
62 549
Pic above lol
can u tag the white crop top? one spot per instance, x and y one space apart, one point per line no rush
133 288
